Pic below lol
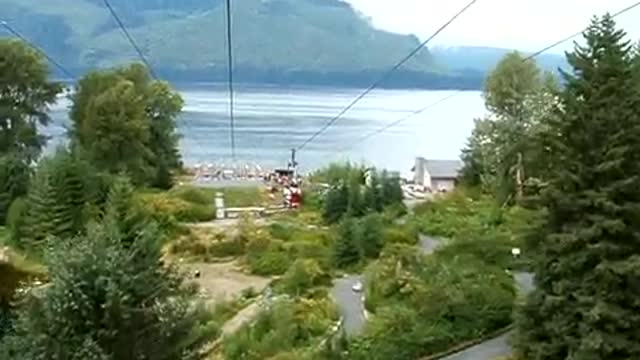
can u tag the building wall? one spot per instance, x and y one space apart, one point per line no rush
443 184
419 172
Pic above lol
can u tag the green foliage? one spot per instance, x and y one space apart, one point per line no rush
586 302
172 205
361 239
391 191
355 191
17 220
58 201
426 304
109 301
14 181
371 236
302 276
504 151
289 325
400 234
25 96
233 197
336 203
346 250
125 122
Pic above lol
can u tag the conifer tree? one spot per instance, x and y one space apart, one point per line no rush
391 189
58 198
372 195
336 203
346 250
371 235
110 301
357 206
41 200
121 211
587 302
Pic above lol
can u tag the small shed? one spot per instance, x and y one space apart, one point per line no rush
436 175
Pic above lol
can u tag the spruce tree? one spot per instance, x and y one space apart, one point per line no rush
371 235
121 211
336 203
372 195
346 250
41 214
391 189
110 301
357 206
587 302
58 198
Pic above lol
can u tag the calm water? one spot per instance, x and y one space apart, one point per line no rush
271 121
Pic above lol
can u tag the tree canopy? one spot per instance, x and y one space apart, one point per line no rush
109 301
126 122
586 305
25 96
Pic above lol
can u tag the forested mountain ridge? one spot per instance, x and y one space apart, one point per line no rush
310 42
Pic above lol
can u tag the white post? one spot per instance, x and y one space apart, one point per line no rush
220 210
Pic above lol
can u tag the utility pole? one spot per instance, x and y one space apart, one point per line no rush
294 164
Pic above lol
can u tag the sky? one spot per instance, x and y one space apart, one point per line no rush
527 25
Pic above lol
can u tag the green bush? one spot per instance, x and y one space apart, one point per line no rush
194 195
165 204
274 261
288 326
17 221
427 304
281 231
400 234
477 225
302 276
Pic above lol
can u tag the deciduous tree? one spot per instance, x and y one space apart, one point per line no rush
124 121
503 151
25 96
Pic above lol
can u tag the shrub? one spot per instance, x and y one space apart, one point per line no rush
426 304
400 234
287 326
164 204
17 220
302 276
100 294
280 231
194 195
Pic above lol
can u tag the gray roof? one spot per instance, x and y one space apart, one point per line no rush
443 169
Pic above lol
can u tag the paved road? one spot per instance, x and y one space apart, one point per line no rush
349 303
494 348
488 350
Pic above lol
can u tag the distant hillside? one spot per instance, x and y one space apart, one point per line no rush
288 42
484 59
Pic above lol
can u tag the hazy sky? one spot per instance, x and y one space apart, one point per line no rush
521 24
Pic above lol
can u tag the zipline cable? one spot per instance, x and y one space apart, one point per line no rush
450 96
230 80
126 33
384 77
15 33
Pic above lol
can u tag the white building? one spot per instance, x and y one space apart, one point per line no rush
436 175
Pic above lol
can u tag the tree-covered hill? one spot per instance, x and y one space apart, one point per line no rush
305 42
